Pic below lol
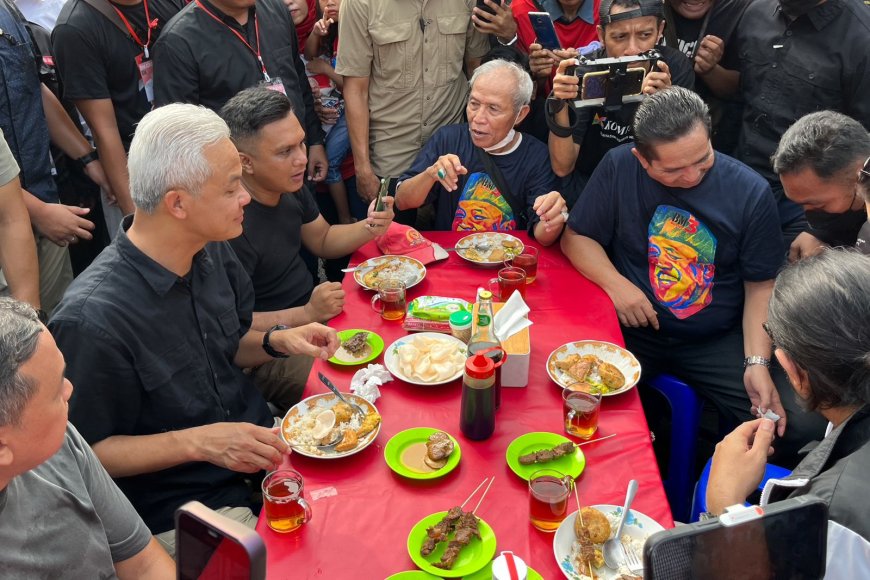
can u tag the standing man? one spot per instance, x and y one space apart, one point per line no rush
403 68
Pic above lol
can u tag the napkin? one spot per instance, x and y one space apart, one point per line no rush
512 318
365 382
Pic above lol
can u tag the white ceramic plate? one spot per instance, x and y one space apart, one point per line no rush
324 401
409 270
606 351
486 248
391 356
638 526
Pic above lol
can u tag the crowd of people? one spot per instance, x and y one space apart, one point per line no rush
173 173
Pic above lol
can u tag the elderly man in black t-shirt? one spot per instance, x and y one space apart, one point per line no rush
281 217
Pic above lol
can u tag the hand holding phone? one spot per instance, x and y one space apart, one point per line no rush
544 29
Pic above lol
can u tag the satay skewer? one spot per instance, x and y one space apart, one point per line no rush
579 511
483 496
474 492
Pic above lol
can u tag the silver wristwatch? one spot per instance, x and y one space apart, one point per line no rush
756 360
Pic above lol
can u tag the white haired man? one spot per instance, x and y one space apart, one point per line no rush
157 330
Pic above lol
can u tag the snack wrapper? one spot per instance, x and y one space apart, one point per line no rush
365 382
768 415
432 313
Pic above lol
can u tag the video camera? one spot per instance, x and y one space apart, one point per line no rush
612 82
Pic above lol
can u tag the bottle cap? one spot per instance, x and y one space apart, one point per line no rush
485 295
508 566
479 367
460 319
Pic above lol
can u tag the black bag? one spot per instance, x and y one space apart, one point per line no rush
517 204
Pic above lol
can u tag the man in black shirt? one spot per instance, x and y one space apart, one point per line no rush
215 48
283 214
156 331
98 60
628 28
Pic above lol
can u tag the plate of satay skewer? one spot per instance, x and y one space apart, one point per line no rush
533 451
453 543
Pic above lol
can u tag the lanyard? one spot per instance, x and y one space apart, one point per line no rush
150 25
242 38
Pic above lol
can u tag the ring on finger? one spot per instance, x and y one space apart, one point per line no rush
565 214
441 173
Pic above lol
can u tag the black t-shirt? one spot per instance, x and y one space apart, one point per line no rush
96 60
723 22
269 251
863 241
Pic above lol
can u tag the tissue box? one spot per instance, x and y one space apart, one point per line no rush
514 372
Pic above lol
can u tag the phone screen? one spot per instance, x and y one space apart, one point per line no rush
545 30
482 5
203 553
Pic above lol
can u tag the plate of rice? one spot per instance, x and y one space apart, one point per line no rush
320 419
370 273
488 248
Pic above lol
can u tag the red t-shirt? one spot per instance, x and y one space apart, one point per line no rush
577 34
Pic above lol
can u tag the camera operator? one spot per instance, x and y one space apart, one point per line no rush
579 139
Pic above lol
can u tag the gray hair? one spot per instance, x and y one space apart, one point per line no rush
167 152
819 315
522 81
827 142
19 333
667 115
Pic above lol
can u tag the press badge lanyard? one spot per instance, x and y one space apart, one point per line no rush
148 23
256 53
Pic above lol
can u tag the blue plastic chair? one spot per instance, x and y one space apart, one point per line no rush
699 500
686 409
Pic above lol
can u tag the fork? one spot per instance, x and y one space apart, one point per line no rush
635 566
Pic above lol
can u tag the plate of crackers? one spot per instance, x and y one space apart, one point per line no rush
426 358
488 248
373 271
593 366
314 425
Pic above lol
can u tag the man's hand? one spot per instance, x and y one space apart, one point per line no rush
501 23
709 54
658 79
738 464
321 27
314 340
318 66
541 61
566 86
762 393
632 306
367 183
327 301
379 221
317 163
61 223
805 245
446 170
241 447
94 170
549 208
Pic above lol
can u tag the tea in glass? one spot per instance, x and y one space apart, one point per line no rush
528 261
509 280
390 300
286 509
580 412
548 499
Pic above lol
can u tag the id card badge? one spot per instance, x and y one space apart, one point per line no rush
146 74
274 84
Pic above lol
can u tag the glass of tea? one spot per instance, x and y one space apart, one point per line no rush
580 412
286 509
509 280
390 300
528 261
548 498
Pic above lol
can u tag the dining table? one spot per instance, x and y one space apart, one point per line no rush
362 512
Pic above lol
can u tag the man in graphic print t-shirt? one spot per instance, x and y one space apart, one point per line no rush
686 242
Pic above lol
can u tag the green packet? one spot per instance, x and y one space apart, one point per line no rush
436 307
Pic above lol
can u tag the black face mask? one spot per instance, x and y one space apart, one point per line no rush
794 8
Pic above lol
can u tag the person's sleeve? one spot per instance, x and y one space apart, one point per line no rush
176 79
594 214
682 71
540 181
430 153
80 63
476 42
525 32
310 210
857 90
762 250
239 281
126 533
9 169
356 54
582 118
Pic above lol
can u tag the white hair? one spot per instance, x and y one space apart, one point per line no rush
522 81
167 152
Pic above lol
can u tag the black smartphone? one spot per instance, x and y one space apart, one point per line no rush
210 546
482 5
545 30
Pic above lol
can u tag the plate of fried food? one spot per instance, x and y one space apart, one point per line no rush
533 451
426 358
373 271
451 544
357 347
488 248
422 453
579 542
324 427
593 366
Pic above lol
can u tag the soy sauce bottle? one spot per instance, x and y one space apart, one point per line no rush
484 339
477 411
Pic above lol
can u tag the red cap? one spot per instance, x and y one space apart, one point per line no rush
404 240
479 367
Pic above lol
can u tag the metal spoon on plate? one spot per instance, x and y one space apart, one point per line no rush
613 550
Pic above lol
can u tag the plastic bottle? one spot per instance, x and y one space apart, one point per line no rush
477 411
484 338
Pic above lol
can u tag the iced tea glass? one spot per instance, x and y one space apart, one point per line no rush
527 260
548 498
286 509
580 412
390 300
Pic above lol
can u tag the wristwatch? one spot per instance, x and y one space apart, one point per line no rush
268 347
756 360
88 158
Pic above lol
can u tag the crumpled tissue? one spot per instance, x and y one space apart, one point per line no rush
365 382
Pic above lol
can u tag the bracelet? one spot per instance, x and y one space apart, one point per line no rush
509 43
88 158
756 360
268 347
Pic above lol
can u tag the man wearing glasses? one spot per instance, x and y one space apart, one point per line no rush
817 160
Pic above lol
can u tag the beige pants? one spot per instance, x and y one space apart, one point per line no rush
239 514
282 380
55 273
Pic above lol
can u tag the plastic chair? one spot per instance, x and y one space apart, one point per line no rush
699 500
686 409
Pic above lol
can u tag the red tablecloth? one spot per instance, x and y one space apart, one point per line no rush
363 512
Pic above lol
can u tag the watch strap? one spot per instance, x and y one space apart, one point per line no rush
551 108
756 360
88 158
267 346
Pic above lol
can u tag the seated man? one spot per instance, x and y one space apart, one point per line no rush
484 176
79 524
579 142
686 243
281 217
156 331
818 161
818 319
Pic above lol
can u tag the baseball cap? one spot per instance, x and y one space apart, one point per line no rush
402 240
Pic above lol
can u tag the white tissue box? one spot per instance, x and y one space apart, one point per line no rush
515 371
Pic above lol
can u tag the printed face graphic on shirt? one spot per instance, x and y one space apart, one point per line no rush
682 251
482 208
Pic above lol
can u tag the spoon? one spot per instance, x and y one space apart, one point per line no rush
613 551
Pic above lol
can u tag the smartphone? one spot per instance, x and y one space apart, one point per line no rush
482 5
211 546
545 30
382 191
594 84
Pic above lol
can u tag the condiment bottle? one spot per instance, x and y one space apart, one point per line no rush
477 411
484 338
507 566
460 325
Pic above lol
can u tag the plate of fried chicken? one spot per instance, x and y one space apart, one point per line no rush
451 544
593 366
